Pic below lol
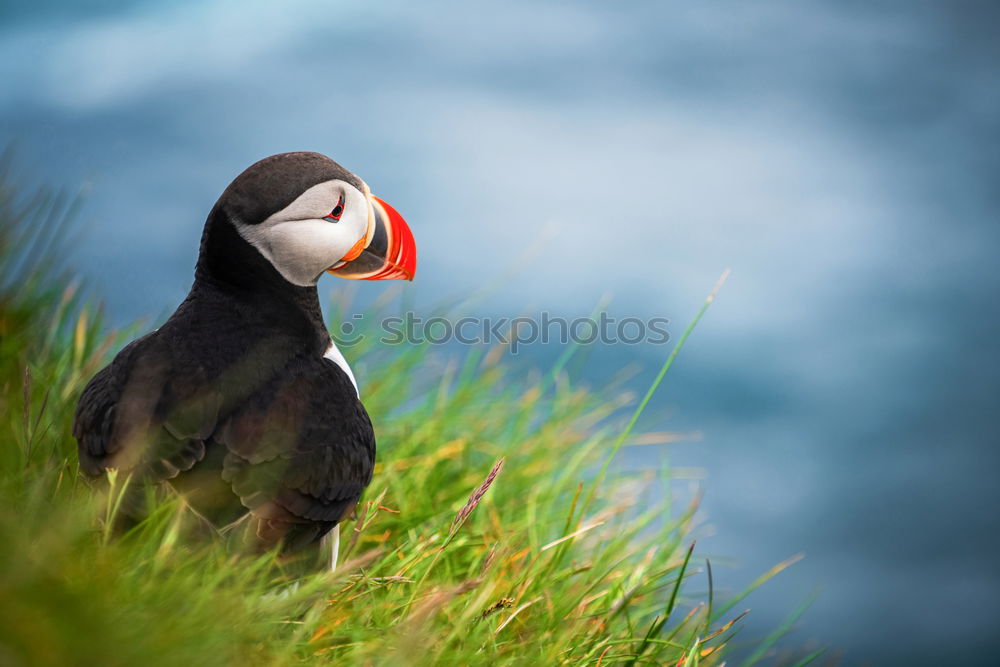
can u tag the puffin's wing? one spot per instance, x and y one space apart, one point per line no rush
143 415
300 451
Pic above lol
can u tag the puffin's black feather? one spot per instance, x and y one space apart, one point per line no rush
231 400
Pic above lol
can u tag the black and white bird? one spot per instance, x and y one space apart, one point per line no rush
241 401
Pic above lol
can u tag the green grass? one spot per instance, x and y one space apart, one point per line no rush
562 559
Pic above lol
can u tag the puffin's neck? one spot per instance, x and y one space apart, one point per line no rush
228 264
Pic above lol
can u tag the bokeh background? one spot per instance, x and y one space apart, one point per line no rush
840 156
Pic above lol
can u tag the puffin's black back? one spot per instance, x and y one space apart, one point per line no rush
231 400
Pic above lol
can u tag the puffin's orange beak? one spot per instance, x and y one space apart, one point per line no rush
387 252
355 250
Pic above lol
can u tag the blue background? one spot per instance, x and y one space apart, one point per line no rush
840 157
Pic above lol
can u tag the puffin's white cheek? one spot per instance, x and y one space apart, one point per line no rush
301 250
355 220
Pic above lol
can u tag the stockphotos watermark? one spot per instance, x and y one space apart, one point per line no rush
514 332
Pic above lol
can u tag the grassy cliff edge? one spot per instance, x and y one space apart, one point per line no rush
495 530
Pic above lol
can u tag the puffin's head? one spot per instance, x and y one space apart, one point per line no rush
308 215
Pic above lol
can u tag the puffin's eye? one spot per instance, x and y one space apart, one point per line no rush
337 211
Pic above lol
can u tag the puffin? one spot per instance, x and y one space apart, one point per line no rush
241 402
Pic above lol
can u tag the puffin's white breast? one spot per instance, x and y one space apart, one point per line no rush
333 354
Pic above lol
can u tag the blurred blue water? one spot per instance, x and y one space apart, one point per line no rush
840 157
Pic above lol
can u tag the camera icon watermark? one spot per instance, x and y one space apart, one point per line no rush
513 332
